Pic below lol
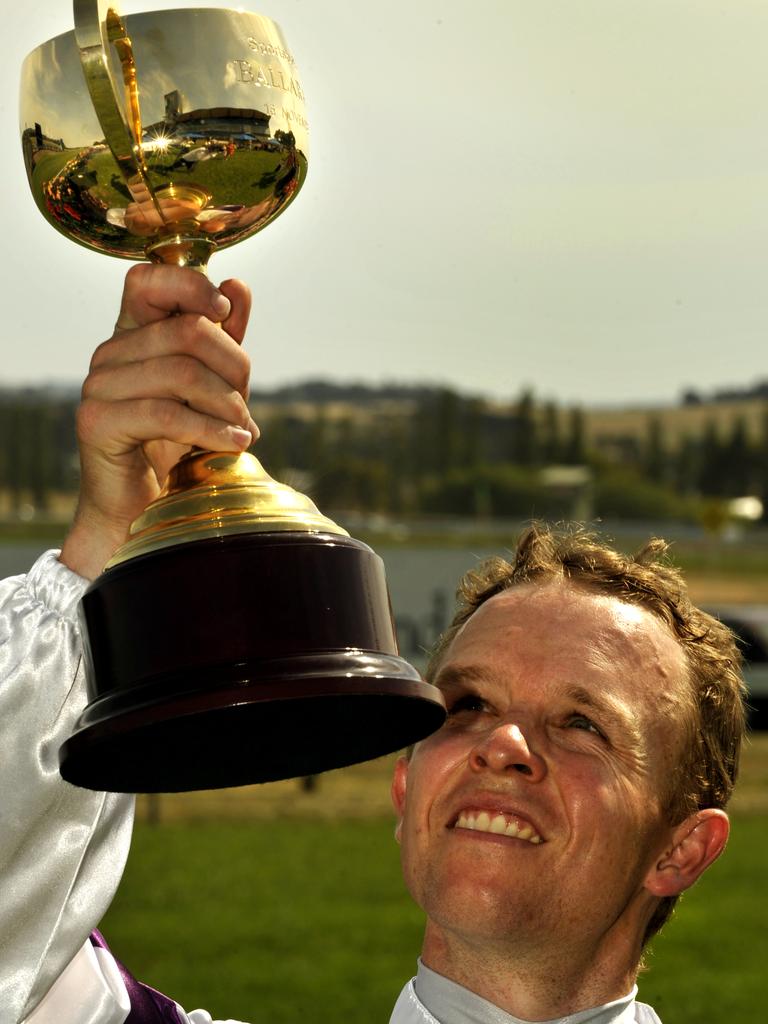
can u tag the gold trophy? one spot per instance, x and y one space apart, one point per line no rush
239 635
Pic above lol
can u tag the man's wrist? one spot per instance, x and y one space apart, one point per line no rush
89 545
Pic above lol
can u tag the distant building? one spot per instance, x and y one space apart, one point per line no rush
34 141
210 122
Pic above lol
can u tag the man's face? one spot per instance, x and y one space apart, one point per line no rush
537 810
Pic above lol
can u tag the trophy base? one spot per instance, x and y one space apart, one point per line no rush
247 658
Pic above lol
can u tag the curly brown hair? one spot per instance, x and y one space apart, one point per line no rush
716 720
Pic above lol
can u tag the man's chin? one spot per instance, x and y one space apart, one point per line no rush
501 927
482 905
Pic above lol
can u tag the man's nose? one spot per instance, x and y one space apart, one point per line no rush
506 749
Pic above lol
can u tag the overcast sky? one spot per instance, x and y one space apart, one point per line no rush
570 195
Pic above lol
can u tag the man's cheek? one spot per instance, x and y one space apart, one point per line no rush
409 864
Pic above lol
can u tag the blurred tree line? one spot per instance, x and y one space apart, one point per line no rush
38 455
452 454
431 451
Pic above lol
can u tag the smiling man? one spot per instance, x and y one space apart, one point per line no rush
577 788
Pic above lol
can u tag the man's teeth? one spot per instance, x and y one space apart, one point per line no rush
498 824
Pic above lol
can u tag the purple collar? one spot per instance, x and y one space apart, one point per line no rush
147 1005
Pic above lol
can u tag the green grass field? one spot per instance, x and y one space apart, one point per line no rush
277 921
284 919
709 963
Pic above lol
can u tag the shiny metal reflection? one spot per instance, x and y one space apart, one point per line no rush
219 494
203 134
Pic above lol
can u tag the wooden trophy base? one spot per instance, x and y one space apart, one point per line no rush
241 659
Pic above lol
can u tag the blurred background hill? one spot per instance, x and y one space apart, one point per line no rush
404 452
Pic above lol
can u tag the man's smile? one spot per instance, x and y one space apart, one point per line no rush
496 822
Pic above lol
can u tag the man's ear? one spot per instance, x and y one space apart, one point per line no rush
399 785
695 844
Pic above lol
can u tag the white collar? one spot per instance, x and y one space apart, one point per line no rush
430 998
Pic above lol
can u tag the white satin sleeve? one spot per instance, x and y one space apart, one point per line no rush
62 849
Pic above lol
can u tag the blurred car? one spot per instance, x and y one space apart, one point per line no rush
750 624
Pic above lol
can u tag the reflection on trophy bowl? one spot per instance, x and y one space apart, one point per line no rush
215 108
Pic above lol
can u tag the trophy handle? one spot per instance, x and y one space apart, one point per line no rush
97 25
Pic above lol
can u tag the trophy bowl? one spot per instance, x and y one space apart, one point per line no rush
239 635
181 125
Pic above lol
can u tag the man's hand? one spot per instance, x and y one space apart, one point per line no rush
173 375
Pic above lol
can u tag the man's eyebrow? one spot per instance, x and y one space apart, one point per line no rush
453 677
606 708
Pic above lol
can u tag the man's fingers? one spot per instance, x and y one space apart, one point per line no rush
180 378
190 335
239 295
153 291
116 428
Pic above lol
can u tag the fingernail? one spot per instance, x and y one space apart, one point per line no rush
222 307
242 438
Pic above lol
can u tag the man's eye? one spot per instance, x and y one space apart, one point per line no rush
468 702
579 721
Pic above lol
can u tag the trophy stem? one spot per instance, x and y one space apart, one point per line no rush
217 495
181 251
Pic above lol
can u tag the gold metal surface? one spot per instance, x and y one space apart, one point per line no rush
202 102
96 26
165 136
124 48
216 494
